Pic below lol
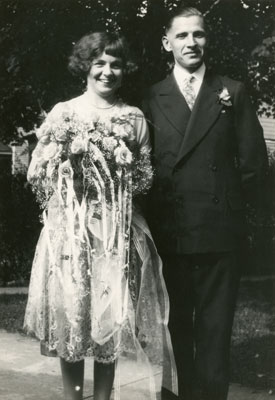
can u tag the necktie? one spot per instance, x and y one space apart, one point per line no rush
188 91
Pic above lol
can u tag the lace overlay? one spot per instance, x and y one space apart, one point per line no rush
96 286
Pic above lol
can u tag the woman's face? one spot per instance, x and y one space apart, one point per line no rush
105 75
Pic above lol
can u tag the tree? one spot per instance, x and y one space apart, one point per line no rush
37 38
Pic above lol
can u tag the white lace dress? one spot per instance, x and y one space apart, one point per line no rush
96 285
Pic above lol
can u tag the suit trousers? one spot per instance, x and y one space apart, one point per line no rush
203 290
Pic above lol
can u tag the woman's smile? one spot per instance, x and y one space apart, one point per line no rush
105 75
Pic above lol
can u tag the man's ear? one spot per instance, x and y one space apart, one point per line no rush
166 43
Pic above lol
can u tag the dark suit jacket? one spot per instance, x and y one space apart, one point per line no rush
207 162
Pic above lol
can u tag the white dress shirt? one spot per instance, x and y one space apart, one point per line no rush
181 74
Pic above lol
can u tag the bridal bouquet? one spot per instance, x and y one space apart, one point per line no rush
94 154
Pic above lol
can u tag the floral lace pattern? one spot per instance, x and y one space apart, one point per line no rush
96 286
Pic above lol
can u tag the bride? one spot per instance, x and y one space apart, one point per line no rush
96 286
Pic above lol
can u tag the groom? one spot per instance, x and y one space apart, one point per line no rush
210 157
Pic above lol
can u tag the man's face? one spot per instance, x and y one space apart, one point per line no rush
187 40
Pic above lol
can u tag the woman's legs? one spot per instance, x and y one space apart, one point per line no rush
73 379
103 380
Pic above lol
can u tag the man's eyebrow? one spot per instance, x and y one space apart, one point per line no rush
200 31
181 33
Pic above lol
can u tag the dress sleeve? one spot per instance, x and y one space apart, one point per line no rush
142 169
45 149
142 131
50 119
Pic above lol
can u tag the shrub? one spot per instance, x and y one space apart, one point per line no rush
19 228
260 251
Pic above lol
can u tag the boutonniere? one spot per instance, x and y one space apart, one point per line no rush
224 97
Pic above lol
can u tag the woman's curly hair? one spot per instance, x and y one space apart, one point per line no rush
93 45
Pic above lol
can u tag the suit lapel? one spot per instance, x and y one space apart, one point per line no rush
205 112
173 105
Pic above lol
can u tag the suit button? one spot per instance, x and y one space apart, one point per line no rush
215 200
214 168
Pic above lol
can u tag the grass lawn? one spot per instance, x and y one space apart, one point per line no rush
253 341
12 309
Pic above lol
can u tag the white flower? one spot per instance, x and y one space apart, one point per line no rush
91 125
79 145
128 128
122 154
95 152
109 143
45 139
50 168
65 169
94 136
225 94
51 151
224 97
145 151
119 130
60 135
43 132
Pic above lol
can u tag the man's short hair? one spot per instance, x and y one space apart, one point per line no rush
181 11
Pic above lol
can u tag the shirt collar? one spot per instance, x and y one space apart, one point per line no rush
181 74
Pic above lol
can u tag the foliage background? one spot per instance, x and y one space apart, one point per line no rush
35 41
37 38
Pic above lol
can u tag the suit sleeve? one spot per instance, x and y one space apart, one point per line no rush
252 153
